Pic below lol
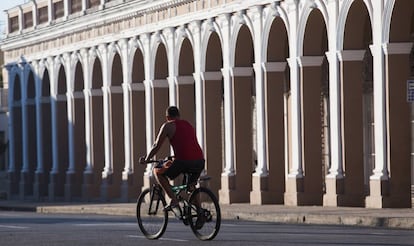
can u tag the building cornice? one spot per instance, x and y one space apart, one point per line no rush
78 24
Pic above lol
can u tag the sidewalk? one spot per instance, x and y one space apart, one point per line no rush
387 218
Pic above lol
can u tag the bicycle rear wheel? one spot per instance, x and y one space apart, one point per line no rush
205 215
151 217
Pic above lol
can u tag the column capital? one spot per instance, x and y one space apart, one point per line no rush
255 12
238 17
160 83
169 32
127 87
398 48
194 26
123 44
211 76
351 55
223 20
241 71
87 92
185 80
310 61
274 66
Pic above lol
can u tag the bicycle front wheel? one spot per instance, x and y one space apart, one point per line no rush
205 215
151 217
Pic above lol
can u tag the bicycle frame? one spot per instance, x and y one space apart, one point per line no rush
192 209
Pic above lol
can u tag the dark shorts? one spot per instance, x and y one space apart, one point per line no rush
193 167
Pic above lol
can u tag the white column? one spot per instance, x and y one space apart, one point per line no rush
12 86
261 119
54 123
379 91
71 141
66 5
261 122
106 90
102 5
198 84
296 168
6 24
50 11
149 105
70 108
88 131
35 14
127 90
126 87
25 127
336 169
21 20
172 90
149 96
172 74
225 22
84 5
87 94
107 131
39 122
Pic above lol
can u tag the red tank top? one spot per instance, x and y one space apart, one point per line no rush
184 142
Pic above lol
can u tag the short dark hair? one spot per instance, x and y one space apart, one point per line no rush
173 112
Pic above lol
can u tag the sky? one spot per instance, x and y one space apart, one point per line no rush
7 4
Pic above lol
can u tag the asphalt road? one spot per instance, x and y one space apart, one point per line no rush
26 228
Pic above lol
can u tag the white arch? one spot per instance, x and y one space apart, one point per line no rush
303 20
27 68
271 16
156 39
207 30
75 58
60 63
239 21
343 14
14 71
181 36
386 25
134 45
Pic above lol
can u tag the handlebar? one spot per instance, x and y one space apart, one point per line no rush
160 161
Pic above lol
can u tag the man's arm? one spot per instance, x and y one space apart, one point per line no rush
162 135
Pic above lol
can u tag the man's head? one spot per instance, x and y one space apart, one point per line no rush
172 112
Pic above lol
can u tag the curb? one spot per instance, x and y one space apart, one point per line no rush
276 215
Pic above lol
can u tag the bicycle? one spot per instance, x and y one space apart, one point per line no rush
198 208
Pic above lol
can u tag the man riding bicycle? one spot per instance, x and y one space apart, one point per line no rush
189 157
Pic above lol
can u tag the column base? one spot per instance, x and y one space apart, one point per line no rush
261 193
379 190
109 189
228 194
40 186
128 190
72 188
56 186
12 184
25 185
90 189
380 196
294 191
334 192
